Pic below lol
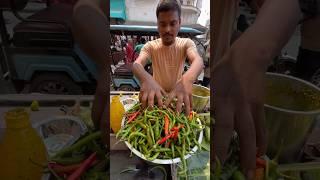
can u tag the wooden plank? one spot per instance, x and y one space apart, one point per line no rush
43 97
124 92
115 145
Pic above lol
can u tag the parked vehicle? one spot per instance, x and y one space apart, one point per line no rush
41 55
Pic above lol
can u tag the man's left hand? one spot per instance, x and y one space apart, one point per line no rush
183 93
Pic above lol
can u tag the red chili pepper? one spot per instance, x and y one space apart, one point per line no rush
176 135
84 166
134 115
261 163
66 169
176 128
168 144
166 125
161 141
130 114
190 115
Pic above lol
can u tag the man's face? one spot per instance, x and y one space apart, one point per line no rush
168 26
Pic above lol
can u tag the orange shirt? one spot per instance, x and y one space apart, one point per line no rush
168 61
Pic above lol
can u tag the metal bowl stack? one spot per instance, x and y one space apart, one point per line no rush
291 108
200 97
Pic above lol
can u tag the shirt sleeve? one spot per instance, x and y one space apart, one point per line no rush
147 50
190 46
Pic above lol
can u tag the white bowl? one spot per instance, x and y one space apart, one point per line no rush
165 161
60 138
128 103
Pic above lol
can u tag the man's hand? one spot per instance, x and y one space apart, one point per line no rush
148 91
238 105
183 89
149 87
183 93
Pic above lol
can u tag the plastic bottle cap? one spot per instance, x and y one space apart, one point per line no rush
17 118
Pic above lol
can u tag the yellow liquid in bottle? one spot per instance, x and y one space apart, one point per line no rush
22 151
116 113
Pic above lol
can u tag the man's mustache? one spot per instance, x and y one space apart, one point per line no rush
168 34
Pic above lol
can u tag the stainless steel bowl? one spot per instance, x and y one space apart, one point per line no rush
200 97
290 110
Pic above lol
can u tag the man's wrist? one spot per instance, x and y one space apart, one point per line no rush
188 78
258 57
139 72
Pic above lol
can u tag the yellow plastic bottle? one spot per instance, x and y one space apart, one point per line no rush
22 151
116 113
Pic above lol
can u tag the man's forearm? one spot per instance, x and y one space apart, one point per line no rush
194 70
92 36
271 30
139 72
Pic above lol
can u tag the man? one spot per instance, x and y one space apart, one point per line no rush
88 27
238 77
168 54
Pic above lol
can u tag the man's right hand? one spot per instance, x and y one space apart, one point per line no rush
149 87
148 91
238 105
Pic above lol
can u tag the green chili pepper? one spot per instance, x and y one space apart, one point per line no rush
149 137
154 156
142 125
156 131
172 150
151 117
134 107
197 143
162 150
136 134
179 138
237 175
82 142
151 133
135 143
69 160
189 144
145 151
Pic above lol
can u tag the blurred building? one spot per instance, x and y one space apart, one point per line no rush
144 11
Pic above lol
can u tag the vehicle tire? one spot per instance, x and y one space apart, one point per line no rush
55 83
126 87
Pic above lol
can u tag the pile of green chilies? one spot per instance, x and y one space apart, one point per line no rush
161 133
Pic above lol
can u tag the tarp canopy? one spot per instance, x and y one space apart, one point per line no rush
118 9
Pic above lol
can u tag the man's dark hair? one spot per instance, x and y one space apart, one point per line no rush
168 5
